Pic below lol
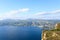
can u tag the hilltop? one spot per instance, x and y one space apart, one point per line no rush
53 34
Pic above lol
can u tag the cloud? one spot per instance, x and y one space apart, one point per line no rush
39 15
24 9
51 12
47 15
12 13
56 11
17 11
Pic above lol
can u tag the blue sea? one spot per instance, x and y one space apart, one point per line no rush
20 33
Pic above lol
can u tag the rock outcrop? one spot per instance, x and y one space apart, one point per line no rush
52 34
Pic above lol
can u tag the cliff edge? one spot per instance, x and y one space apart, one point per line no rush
52 34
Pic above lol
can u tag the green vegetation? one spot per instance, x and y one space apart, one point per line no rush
55 30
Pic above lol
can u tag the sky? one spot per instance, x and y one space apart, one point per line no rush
29 9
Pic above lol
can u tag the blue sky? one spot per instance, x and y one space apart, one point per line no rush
24 9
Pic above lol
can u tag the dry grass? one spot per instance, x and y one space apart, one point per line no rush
51 35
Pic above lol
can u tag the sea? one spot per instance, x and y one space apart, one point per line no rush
20 33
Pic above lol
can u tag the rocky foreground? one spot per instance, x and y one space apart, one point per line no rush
52 34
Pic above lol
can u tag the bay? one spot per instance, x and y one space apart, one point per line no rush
20 33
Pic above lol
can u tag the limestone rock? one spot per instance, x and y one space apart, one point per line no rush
52 34
57 26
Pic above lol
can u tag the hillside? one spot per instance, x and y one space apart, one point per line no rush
52 34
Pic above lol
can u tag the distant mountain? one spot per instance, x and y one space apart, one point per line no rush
29 22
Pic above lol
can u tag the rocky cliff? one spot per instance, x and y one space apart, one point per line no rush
52 34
